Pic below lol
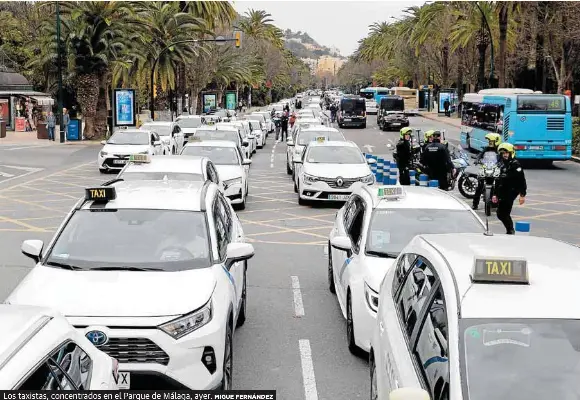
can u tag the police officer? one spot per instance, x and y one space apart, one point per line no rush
427 139
437 160
493 141
511 184
404 155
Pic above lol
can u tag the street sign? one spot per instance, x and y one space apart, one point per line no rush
238 37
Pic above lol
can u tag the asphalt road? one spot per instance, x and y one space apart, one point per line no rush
294 338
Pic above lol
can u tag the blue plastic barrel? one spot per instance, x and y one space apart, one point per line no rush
380 166
423 180
74 131
434 183
523 228
412 178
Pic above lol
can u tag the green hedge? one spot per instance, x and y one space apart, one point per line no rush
576 136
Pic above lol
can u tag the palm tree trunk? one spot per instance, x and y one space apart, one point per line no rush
88 86
459 83
482 48
102 110
445 60
503 27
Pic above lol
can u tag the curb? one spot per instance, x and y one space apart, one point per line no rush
432 118
576 159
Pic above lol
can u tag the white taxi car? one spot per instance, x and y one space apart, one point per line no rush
170 132
469 315
243 141
327 170
270 127
371 107
246 131
295 145
369 233
40 350
232 167
189 124
173 168
155 273
124 143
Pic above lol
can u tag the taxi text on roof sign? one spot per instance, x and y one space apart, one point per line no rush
385 192
494 270
320 139
105 193
194 139
140 158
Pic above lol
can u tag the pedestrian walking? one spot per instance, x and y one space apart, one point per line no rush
284 122
51 125
65 121
446 107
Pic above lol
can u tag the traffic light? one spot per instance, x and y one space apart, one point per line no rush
238 37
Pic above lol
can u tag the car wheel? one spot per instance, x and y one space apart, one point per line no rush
242 205
227 368
352 347
364 126
173 150
295 186
374 383
288 170
301 201
331 286
242 316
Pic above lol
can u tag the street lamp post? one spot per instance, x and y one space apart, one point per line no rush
219 40
490 42
59 58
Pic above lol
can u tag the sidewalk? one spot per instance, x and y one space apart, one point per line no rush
28 138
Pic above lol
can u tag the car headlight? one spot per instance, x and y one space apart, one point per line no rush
372 298
104 154
231 182
188 323
310 178
369 179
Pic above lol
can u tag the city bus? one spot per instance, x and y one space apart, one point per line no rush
538 125
374 93
410 97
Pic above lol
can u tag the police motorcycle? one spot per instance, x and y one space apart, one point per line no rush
489 171
460 160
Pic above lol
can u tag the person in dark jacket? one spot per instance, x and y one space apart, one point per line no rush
404 155
284 123
446 108
493 140
511 184
437 160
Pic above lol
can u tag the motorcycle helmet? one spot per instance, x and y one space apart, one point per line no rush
428 134
494 137
507 147
406 131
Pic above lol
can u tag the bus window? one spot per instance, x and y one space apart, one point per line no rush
367 95
482 116
542 103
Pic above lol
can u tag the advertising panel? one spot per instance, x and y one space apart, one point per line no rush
124 107
231 100
209 101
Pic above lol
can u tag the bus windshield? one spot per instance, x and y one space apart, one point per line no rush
367 94
542 103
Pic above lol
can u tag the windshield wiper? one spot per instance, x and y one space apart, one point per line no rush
63 265
123 268
382 254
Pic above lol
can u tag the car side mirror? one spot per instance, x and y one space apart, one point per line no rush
32 249
247 161
371 161
341 243
103 142
157 143
409 393
238 252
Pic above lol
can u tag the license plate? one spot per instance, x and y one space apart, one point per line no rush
338 197
119 161
124 380
396 124
536 147
348 119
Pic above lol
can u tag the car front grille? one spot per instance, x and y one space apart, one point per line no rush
332 182
135 350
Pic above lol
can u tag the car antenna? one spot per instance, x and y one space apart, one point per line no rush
487 231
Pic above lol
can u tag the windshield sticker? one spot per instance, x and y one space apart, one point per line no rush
380 238
499 336
65 256
474 333
384 212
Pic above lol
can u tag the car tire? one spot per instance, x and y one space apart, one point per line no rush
302 202
374 381
173 151
242 205
350 340
331 286
364 126
288 170
295 186
227 366
242 316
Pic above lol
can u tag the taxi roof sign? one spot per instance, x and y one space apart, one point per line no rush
320 139
140 158
390 192
194 139
101 194
500 270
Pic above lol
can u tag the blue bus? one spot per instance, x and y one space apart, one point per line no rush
539 126
374 93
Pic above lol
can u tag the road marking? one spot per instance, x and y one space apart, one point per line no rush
369 148
272 156
42 177
6 174
309 380
298 305
28 147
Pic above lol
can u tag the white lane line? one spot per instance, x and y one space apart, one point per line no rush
309 380
28 147
298 305
20 176
6 175
272 156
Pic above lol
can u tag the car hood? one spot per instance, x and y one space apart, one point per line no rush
125 149
115 293
188 131
227 172
336 170
376 269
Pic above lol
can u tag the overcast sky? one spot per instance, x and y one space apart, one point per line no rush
330 23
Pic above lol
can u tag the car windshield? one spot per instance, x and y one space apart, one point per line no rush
353 106
490 159
334 155
218 135
218 155
161 176
165 240
391 229
256 118
162 130
541 355
189 122
255 125
306 137
139 138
